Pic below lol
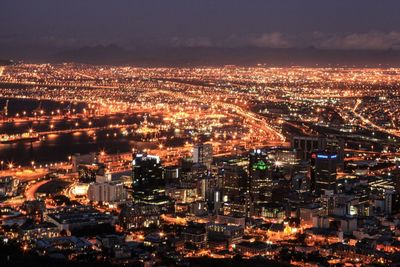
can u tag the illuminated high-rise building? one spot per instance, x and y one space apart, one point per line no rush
148 178
305 146
234 188
325 171
203 154
259 179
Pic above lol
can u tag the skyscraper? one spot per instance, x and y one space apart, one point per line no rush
234 187
325 171
148 177
259 180
306 145
203 154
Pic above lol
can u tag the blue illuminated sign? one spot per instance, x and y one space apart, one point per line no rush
327 157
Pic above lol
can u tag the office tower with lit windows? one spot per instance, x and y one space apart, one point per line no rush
396 181
325 171
305 146
234 188
259 180
148 178
107 192
203 154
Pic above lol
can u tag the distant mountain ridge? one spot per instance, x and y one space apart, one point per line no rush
214 56
205 56
6 62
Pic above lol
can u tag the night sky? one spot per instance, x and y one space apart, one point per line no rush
280 23
335 24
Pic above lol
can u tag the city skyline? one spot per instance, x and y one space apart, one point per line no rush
199 133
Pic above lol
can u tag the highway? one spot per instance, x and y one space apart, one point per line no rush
256 121
25 174
369 122
31 190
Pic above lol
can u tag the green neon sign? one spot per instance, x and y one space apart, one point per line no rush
260 165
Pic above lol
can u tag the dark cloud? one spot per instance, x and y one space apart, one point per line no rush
192 42
330 41
271 40
359 41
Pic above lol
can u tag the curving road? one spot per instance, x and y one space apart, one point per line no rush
31 190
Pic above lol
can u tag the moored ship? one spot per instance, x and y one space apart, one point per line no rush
15 138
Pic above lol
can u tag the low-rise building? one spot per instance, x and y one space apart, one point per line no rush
252 248
195 234
107 192
8 186
70 218
33 231
139 216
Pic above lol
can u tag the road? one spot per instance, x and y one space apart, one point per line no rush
25 174
256 121
31 190
358 102
370 123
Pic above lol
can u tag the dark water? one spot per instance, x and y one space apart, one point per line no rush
29 106
57 147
